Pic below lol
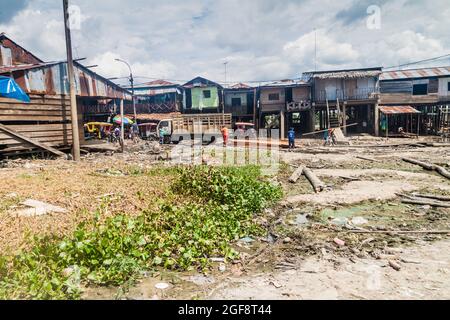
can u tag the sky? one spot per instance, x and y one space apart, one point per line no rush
260 40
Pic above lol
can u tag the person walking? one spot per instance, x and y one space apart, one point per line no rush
291 138
135 132
225 135
329 137
162 133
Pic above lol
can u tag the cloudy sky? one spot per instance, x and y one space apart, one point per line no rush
260 39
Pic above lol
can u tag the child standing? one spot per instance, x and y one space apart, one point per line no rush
291 138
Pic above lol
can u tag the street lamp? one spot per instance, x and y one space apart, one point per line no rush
132 87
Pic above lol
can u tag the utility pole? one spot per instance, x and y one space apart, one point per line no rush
73 97
122 127
315 49
223 90
225 64
132 87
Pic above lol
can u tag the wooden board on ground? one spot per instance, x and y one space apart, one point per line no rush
339 137
20 137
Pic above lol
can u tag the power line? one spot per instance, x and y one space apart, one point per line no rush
273 80
219 82
418 62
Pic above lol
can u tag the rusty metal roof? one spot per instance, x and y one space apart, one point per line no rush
285 83
21 67
154 92
345 74
155 116
398 110
20 53
240 85
200 82
155 83
51 78
416 73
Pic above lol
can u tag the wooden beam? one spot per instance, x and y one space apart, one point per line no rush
31 141
321 131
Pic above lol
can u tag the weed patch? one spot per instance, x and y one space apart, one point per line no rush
219 207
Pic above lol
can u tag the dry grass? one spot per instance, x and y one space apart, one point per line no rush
80 188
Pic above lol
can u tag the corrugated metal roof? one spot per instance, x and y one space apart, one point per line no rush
416 73
200 82
8 69
51 78
155 83
398 110
285 83
20 53
155 116
154 92
345 74
240 85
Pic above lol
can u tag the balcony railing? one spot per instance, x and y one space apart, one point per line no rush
444 97
237 110
347 95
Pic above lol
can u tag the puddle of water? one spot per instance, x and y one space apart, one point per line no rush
372 212
297 217
302 219
345 212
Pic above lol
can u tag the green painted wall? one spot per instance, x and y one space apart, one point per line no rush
200 102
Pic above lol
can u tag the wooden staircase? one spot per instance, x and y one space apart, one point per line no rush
334 121
333 114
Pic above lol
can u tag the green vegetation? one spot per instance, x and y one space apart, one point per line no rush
211 207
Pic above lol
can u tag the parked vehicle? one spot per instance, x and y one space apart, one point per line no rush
148 131
189 125
98 130
245 130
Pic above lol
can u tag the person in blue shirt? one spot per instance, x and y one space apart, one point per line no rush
291 138
162 133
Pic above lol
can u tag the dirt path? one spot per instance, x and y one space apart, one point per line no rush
426 276
389 183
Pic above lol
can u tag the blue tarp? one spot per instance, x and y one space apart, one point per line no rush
10 89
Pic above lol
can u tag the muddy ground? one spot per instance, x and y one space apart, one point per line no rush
313 250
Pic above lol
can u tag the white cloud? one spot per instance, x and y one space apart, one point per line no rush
330 52
38 31
110 68
262 39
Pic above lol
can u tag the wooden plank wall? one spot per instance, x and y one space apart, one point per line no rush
45 119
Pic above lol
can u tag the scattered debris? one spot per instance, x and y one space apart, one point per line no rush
162 285
296 175
366 241
404 260
358 221
367 159
222 267
401 231
287 240
302 219
201 280
247 240
418 201
317 184
339 242
37 208
11 195
431 196
394 265
429 166
276 284
110 172
339 221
